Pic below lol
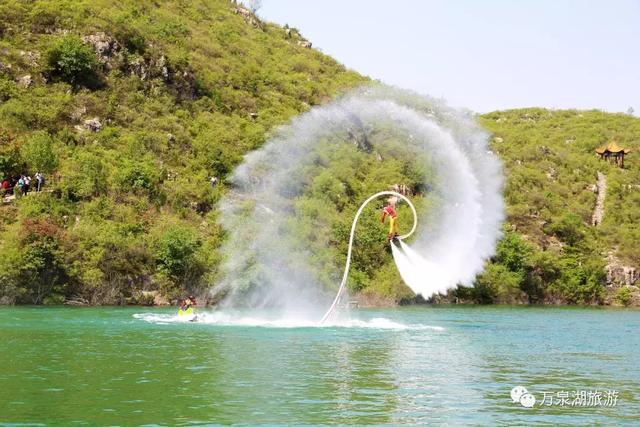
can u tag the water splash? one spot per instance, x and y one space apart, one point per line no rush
266 265
423 276
230 318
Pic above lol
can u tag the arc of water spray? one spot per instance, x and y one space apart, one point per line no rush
345 275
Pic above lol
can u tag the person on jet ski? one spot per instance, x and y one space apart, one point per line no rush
187 305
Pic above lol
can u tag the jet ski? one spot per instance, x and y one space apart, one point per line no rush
187 311
187 315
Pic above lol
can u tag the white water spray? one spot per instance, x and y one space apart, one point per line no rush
266 264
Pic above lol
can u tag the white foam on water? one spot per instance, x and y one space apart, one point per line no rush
160 318
235 319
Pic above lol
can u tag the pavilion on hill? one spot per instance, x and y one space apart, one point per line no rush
613 152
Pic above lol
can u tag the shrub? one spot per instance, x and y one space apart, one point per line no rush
130 38
84 177
498 284
569 228
10 162
624 296
38 153
38 108
175 252
136 175
513 252
544 270
8 90
44 17
72 61
32 264
581 281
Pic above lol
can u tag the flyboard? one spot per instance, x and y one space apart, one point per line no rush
345 275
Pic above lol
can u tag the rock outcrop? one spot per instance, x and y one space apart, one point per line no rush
104 45
150 298
620 274
182 81
357 134
93 125
30 58
25 81
152 65
622 283
249 17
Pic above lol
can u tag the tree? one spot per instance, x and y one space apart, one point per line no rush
72 61
38 153
84 176
513 252
32 266
498 284
10 161
175 253
569 227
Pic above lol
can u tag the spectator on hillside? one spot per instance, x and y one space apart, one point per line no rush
6 185
27 184
39 181
20 186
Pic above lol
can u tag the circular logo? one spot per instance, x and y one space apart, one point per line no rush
527 400
517 392
520 395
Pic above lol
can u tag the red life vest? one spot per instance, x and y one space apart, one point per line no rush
390 211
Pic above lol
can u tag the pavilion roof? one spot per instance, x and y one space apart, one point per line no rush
612 147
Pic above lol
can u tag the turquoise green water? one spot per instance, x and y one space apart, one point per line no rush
456 366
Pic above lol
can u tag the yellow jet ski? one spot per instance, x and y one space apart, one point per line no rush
186 311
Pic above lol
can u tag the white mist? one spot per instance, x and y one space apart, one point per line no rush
452 242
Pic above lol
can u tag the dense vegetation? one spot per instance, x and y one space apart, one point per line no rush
130 107
551 252
180 91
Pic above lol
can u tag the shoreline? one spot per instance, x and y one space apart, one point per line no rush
366 307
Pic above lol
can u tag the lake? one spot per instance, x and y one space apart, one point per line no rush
416 365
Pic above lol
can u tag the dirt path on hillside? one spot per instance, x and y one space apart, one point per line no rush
598 212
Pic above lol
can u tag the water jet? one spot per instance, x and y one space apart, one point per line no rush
345 275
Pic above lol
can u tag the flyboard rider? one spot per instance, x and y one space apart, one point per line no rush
390 211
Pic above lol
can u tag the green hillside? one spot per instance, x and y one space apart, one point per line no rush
131 107
551 251
179 92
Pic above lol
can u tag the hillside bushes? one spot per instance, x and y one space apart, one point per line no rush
39 153
31 265
189 91
551 167
72 61
181 93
